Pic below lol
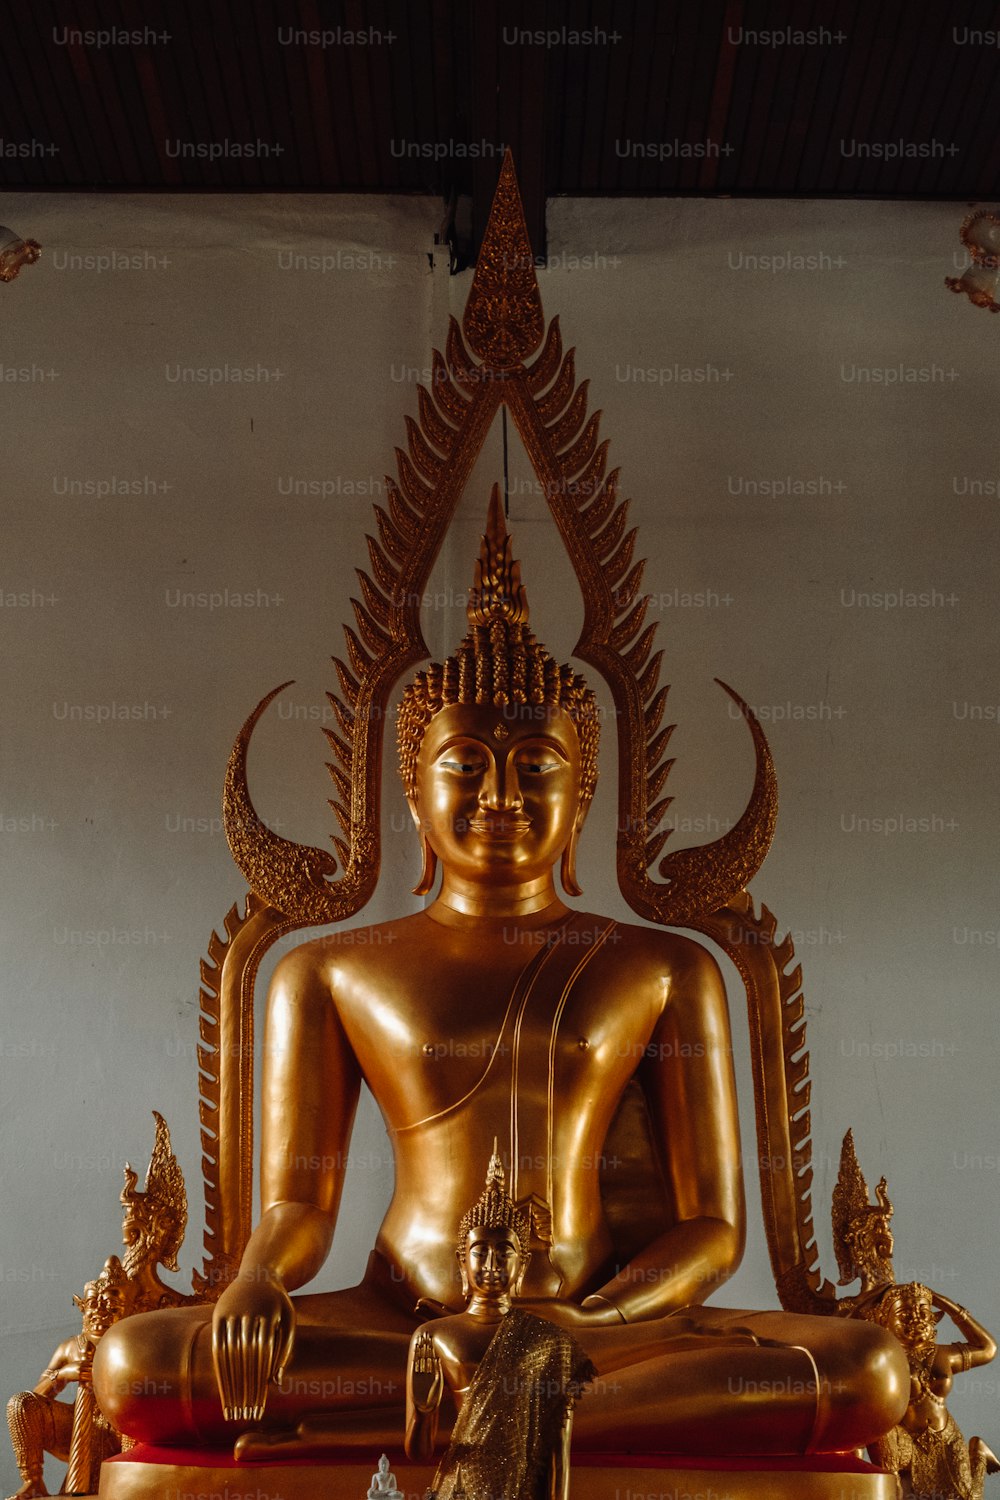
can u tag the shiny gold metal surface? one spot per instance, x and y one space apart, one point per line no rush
128 1479
569 1009
515 1378
926 1446
80 1434
598 1053
153 1225
862 1234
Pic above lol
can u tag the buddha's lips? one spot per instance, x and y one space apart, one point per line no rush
500 828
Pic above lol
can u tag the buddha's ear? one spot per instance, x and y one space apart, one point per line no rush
428 869
567 868
515 1290
466 1289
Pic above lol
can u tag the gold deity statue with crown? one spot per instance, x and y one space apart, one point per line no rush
596 1052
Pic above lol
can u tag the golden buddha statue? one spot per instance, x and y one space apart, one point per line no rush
596 1051
515 1377
547 1015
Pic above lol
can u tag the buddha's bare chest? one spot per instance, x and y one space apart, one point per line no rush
495 1024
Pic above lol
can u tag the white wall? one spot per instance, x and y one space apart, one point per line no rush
113 883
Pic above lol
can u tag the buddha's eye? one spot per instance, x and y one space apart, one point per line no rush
463 765
537 765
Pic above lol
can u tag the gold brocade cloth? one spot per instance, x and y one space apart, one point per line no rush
512 1416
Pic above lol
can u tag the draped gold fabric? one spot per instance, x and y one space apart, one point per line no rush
512 1415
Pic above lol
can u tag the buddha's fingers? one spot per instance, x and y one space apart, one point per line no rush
222 1353
245 1357
424 1358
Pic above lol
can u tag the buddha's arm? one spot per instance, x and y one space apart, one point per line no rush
690 1089
424 1390
310 1093
560 1461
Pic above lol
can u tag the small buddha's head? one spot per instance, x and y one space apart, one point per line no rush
498 745
492 1250
104 1300
154 1220
907 1311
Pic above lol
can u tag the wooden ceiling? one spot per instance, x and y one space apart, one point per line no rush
880 97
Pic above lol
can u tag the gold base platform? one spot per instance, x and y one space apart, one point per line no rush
125 1479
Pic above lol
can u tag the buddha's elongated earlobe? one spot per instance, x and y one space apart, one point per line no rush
567 868
466 1288
428 872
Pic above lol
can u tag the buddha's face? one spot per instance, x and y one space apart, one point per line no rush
498 789
492 1261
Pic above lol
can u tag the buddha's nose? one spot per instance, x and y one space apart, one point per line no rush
500 790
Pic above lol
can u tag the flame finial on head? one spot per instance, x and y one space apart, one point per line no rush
495 1208
498 662
497 592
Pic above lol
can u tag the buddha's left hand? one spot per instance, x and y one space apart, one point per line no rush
594 1312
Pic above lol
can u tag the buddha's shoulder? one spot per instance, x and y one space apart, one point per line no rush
344 946
648 947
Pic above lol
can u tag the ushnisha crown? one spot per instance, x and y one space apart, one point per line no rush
499 662
495 1209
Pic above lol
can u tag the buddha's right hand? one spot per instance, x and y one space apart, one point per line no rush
253 1329
427 1376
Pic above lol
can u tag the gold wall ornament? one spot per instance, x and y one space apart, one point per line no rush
225 1085
980 234
780 1066
15 253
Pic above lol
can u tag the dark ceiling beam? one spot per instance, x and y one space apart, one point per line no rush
506 107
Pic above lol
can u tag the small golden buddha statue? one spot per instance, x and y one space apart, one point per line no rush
40 1423
514 1376
498 1011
